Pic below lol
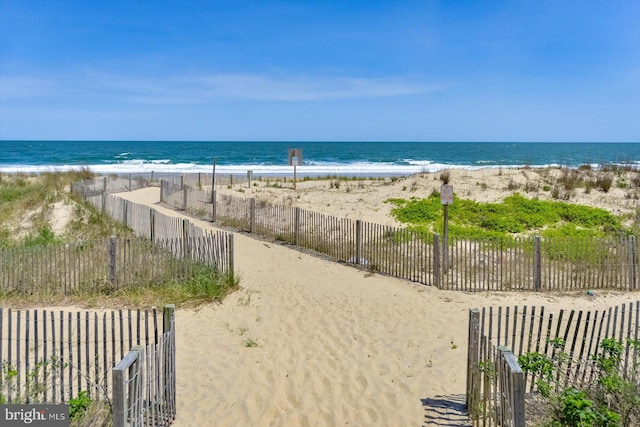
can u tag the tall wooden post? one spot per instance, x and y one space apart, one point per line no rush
537 264
213 205
359 242
436 259
252 213
632 263
445 240
296 227
112 261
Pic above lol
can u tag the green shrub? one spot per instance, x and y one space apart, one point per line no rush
79 404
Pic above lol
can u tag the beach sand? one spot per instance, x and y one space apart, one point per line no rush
310 342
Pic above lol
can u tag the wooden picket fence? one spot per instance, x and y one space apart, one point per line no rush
496 386
108 263
144 381
52 355
510 263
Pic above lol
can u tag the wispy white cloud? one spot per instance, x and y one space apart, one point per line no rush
23 87
198 89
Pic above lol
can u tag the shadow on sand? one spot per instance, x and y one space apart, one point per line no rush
446 411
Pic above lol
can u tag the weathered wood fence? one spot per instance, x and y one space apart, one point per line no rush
50 356
144 381
180 236
111 263
520 263
496 386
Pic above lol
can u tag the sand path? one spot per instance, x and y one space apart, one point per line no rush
335 345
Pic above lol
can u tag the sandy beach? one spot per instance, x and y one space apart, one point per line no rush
309 342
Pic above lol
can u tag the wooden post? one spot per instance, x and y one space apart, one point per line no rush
130 363
112 261
136 394
213 205
632 263
125 213
252 213
168 312
152 225
185 238
249 175
104 184
119 397
516 394
472 352
130 188
168 316
162 182
436 259
199 181
537 264
213 176
358 242
185 189
296 225
445 240
104 203
181 180
231 257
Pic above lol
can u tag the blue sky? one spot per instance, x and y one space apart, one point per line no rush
320 70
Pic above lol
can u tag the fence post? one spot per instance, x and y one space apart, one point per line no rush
104 184
130 188
182 180
168 316
537 264
231 260
436 259
358 242
112 261
125 213
186 247
184 197
296 225
104 203
135 386
515 379
472 356
119 400
252 213
152 225
162 190
213 205
632 263
168 311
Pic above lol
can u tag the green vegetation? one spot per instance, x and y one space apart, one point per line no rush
32 197
515 215
612 398
26 207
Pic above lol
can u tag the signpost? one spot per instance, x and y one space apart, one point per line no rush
446 198
295 159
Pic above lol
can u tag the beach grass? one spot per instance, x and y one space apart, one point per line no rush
32 196
515 215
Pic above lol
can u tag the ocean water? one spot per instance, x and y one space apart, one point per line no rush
318 158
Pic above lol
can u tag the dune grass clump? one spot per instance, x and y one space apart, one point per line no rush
516 215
